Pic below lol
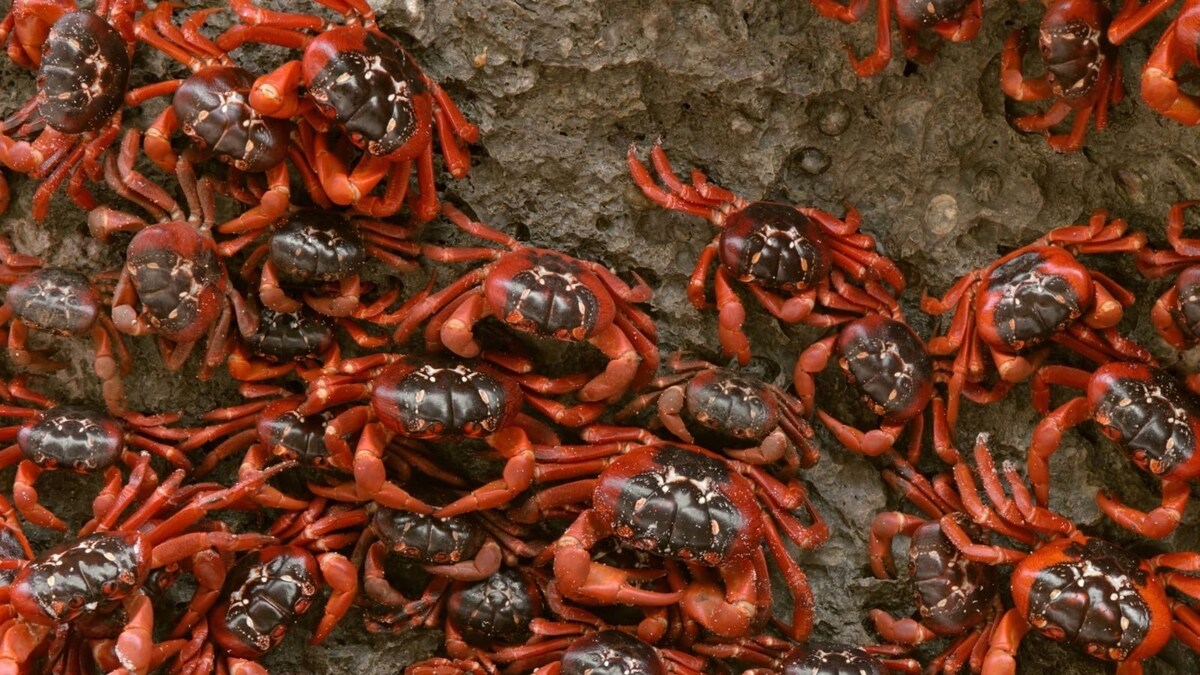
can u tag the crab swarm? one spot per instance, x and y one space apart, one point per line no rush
403 455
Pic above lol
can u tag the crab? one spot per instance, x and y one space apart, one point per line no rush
1176 314
83 72
606 650
471 547
892 371
173 284
359 80
1083 74
268 429
284 343
1039 294
511 617
264 594
793 260
213 110
432 400
274 429
542 293
26 26
955 597
689 506
1175 51
748 419
60 302
81 439
953 20
1074 588
320 252
1147 412
69 583
775 656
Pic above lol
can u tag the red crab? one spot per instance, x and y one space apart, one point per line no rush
794 260
893 372
80 439
1082 76
746 418
953 20
360 80
1147 412
213 110
321 253
1036 295
513 617
1074 588
543 293
275 429
60 302
264 594
284 343
781 657
470 547
1176 313
1175 51
83 62
28 24
69 583
269 429
955 597
173 284
689 505
433 400
614 650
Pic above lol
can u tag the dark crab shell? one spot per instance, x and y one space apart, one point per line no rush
731 405
548 294
428 540
264 594
365 82
56 301
78 577
1029 295
775 246
430 399
79 438
889 365
84 73
1075 48
179 278
314 246
1187 315
496 610
830 659
679 501
611 652
1094 595
289 435
953 593
1150 416
213 109
916 14
290 336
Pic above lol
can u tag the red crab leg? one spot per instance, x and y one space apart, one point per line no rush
342 577
731 317
1134 17
578 576
876 62
1157 523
